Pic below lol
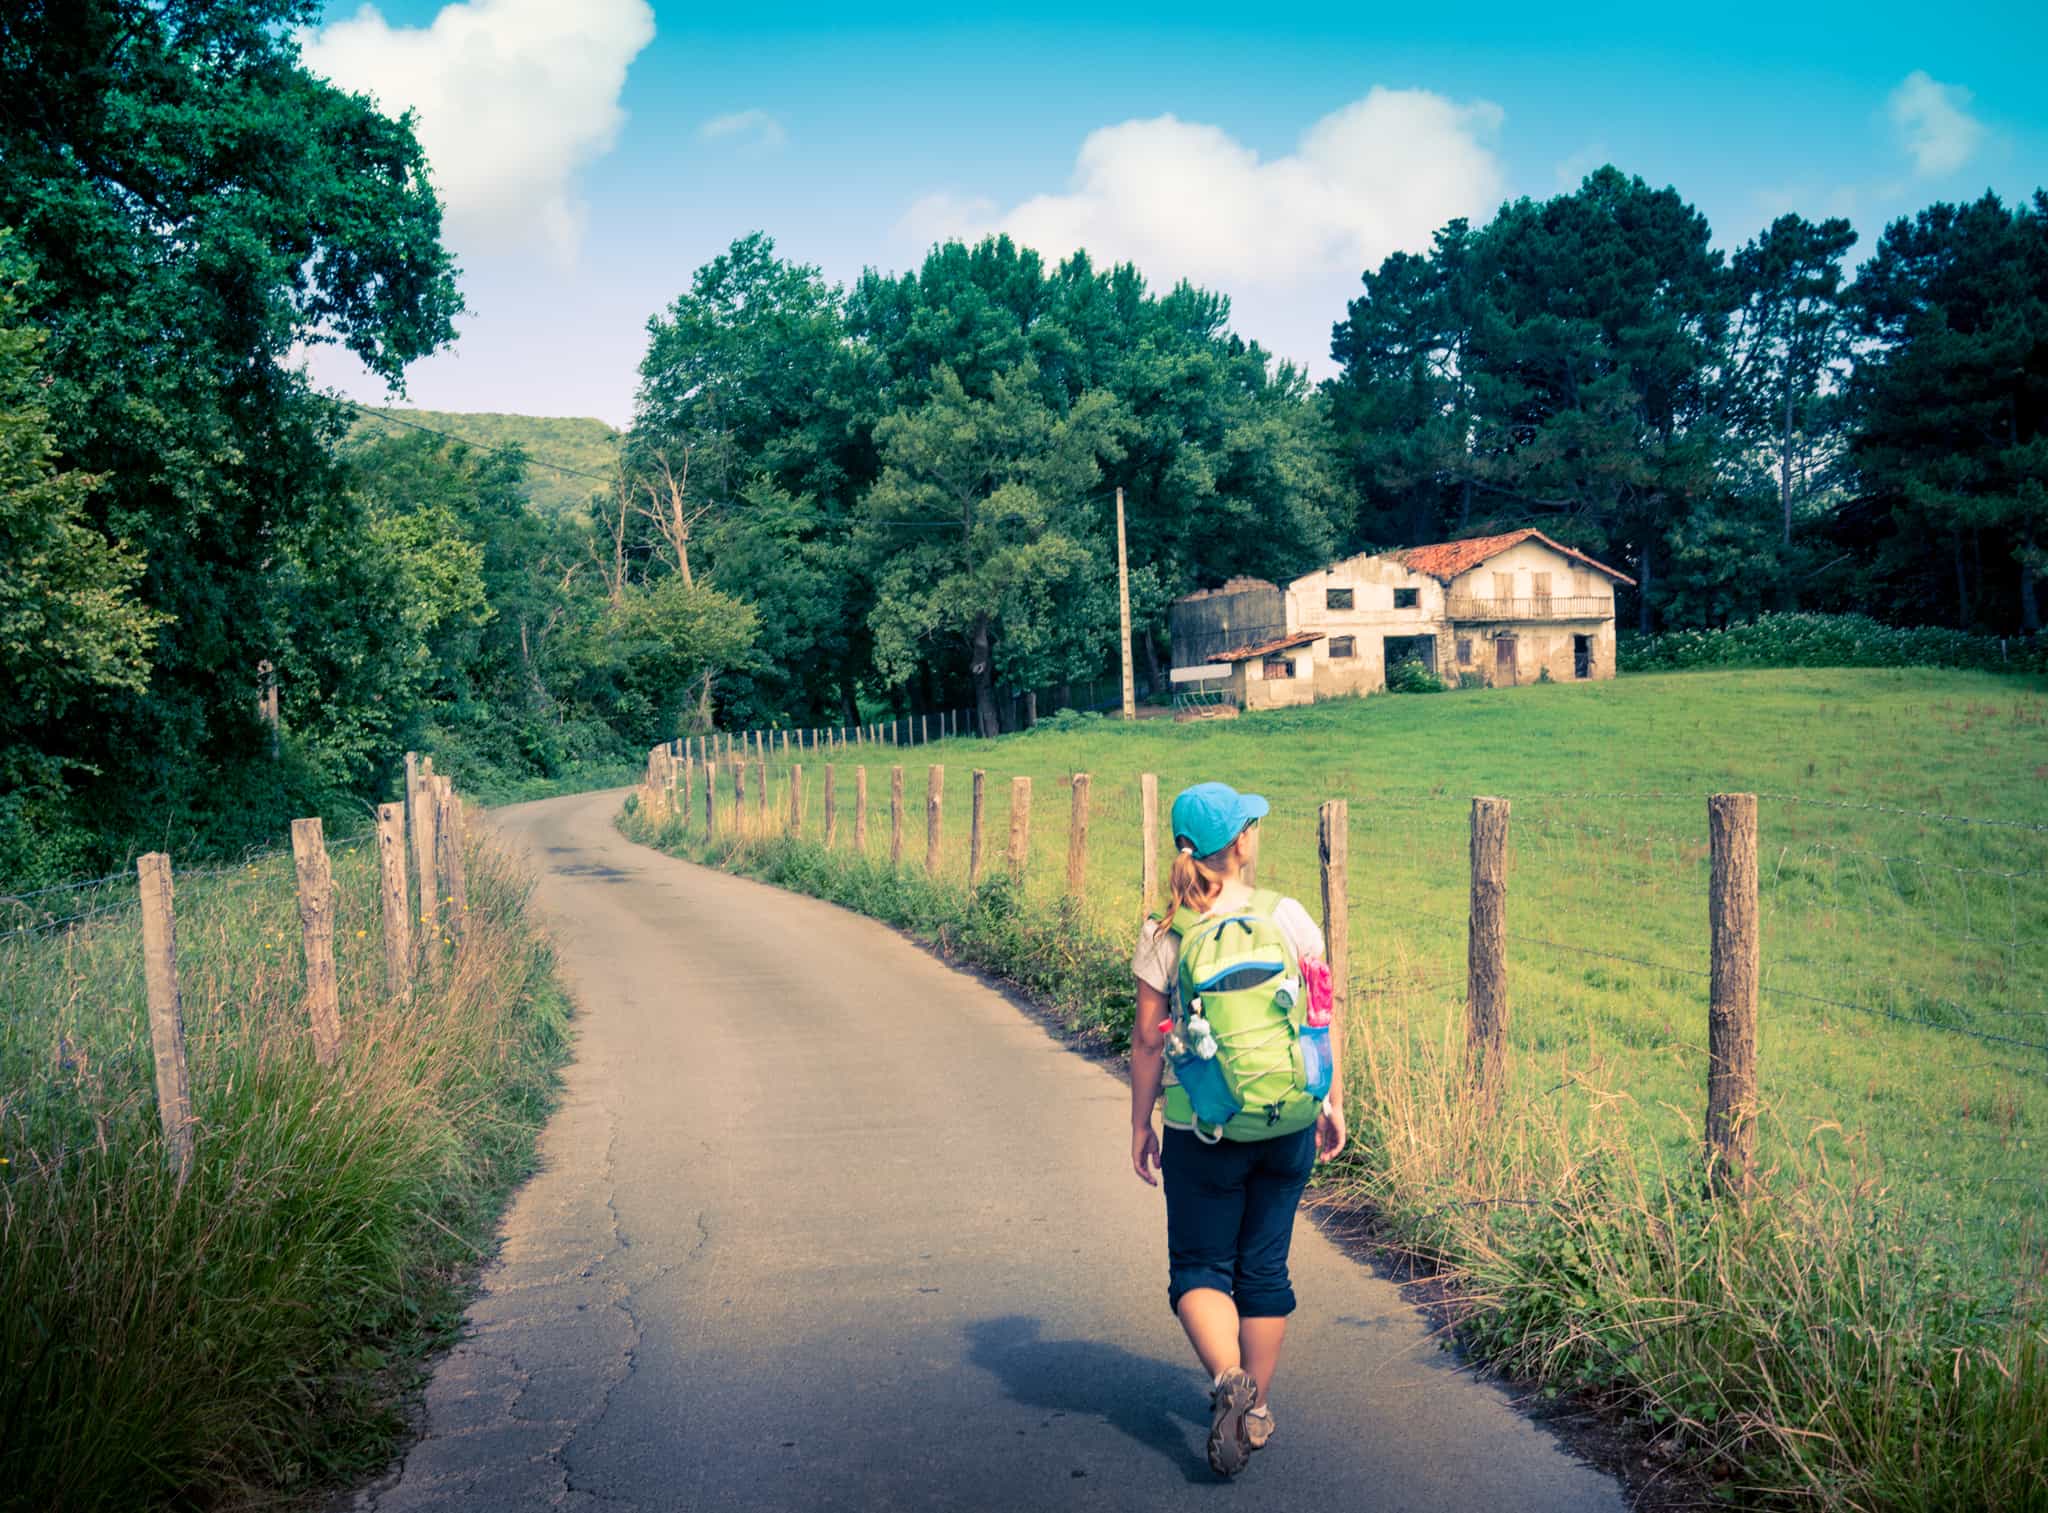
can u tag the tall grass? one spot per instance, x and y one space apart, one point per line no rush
243 1338
1868 1330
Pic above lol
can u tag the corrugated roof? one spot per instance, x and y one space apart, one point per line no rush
1267 648
1445 560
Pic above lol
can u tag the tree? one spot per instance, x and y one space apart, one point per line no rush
197 208
1950 395
976 527
71 626
1786 354
746 460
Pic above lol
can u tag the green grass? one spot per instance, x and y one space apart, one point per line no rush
244 1340
1868 1331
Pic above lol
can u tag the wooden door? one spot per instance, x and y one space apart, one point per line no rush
1504 660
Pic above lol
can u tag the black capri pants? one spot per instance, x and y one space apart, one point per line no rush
1230 1216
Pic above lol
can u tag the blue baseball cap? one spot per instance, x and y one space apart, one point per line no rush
1212 815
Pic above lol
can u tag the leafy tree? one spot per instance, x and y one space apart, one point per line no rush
1787 351
71 626
744 463
196 208
1950 395
974 528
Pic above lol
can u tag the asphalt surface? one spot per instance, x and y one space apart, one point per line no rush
824 1224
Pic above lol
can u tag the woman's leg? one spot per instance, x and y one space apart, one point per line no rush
1205 1203
1258 1349
1210 1318
1260 1283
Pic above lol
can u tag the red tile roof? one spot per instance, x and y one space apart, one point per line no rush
1447 559
1267 648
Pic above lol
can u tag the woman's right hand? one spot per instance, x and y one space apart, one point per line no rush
1145 1152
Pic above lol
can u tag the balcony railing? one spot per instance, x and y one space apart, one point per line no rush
1551 607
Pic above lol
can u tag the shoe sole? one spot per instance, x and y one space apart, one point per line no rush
1230 1447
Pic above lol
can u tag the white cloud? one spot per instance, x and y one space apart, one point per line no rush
513 96
1933 125
1286 237
759 128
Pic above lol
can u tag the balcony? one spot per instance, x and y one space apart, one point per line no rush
1549 607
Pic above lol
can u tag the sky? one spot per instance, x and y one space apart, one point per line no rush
591 154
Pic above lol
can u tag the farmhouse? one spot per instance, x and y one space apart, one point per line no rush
1495 609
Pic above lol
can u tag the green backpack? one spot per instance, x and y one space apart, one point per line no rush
1239 997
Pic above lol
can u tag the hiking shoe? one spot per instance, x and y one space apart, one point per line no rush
1230 1400
1259 1426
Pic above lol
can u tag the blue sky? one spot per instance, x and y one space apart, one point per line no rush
593 154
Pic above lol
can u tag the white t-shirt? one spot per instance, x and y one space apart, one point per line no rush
1158 955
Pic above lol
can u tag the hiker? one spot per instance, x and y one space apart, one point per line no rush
1234 1007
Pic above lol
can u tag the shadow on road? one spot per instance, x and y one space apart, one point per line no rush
1147 1400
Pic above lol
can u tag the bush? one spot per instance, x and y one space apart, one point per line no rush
1071 719
1410 676
1808 640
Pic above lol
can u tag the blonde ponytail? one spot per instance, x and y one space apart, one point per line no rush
1195 886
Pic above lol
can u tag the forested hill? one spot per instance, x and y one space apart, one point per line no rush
588 446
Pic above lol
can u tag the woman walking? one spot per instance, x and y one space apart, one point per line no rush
1234 1002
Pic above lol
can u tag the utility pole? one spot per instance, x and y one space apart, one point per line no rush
1123 596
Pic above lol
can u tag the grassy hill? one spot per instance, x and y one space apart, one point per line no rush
580 443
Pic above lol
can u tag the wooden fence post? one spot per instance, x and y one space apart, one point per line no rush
1736 966
166 1008
934 795
1020 828
316 926
831 805
710 799
689 789
1148 833
423 858
1077 838
1333 843
761 798
796 799
974 832
412 783
397 906
448 821
860 811
895 817
1486 951
924 730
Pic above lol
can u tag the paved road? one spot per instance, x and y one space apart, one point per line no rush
827 1225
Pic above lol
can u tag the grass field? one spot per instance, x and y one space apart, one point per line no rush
242 1340
1903 1028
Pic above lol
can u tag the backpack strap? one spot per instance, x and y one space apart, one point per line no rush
1265 901
1183 921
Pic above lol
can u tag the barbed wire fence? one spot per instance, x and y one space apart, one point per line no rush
1890 938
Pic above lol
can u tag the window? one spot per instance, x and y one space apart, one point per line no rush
1337 598
1342 646
1539 589
1277 667
1405 598
1465 650
1503 585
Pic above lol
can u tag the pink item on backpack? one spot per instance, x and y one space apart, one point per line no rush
1322 991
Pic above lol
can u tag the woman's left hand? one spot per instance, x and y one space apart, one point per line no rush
1330 1132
